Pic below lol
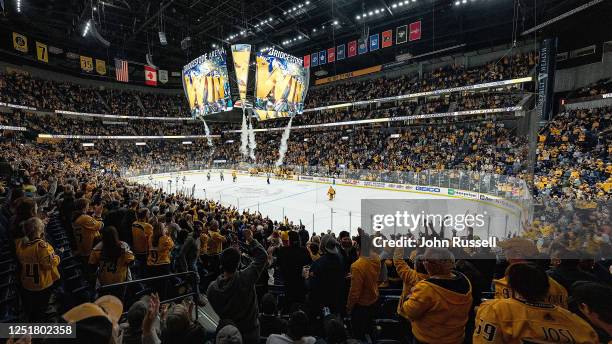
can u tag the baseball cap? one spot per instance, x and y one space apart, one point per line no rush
94 321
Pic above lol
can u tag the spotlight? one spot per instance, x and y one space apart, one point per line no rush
335 22
18 6
358 17
377 11
95 8
394 5
370 13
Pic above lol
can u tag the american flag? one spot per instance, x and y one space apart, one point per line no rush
121 70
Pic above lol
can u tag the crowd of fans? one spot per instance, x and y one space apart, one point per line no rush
67 207
335 288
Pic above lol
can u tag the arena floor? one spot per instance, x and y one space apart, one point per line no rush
298 200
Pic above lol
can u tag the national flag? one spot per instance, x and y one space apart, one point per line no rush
415 31
121 70
331 54
387 38
306 61
162 75
374 42
401 34
322 58
150 75
352 48
363 46
340 52
314 59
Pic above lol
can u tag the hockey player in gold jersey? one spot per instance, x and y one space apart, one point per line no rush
331 193
527 316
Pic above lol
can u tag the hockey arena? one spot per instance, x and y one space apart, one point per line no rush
305 171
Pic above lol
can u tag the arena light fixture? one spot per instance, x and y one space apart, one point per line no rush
18 6
88 144
86 28
187 142
358 17
141 143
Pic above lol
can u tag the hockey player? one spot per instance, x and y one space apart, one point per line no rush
208 176
331 193
234 176
221 175
268 178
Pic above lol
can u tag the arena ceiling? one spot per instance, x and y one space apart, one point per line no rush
296 26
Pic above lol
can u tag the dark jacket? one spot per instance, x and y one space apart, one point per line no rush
235 298
327 284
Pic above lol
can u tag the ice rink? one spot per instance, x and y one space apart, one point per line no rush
304 201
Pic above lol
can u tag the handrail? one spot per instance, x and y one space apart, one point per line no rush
195 293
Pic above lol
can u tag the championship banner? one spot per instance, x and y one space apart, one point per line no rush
340 52
280 86
162 75
331 54
86 64
352 48
387 38
101 67
206 84
20 42
315 59
374 42
322 57
241 54
363 46
415 31
42 52
306 61
401 34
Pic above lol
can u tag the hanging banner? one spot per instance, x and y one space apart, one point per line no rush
306 61
387 38
42 52
280 86
20 42
241 54
331 54
546 78
314 59
374 42
401 34
352 48
415 31
101 67
206 84
322 57
363 46
340 52
86 64
162 75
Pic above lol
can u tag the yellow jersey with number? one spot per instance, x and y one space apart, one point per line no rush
512 321
38 264
160 254
112 270
557 295
86 230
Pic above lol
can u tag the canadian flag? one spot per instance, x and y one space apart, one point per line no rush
150 75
